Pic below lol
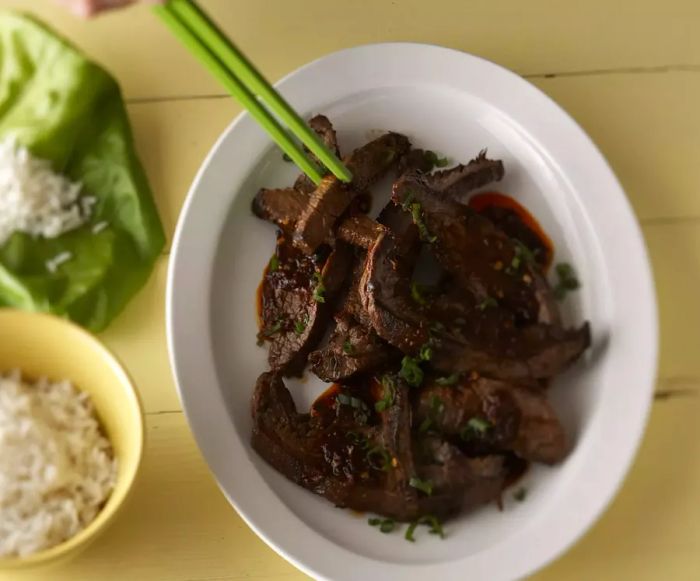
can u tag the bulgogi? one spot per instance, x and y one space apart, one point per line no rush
440 391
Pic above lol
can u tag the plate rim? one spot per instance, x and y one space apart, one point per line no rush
644 281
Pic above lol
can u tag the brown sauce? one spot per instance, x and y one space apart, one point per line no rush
516 221
325 403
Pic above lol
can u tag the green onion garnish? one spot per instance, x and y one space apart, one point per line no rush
432 158
348 348
411 371
378 458
300 326
567 280
387 395
426 352
475 428
488 302
416 294
449 380
417 215
319 289
428 520
386 525
425 486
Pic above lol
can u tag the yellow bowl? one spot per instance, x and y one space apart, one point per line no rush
42 345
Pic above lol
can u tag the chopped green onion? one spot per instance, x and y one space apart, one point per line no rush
387 395
475 428
274 263
319 289
409 532
378 458
429 520
360 408
425 486
411 371
432 158
417 215
520 494
567 280
449 380
386 525
487 303
348 348
300 325
274 329
434 523
416 294
425 353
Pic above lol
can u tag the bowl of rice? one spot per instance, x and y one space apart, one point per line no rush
71 439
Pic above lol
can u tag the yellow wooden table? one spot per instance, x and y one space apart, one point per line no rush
629 73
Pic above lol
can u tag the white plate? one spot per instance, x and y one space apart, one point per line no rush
455 104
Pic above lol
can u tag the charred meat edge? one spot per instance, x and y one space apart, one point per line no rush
332 198
519 417
351 350
289 348
459 181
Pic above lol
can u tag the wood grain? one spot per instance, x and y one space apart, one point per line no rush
536 37
629 74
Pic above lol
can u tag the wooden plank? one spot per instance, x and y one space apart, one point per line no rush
537 37
172 139
675 254
652 529
648 127
179 527
137 338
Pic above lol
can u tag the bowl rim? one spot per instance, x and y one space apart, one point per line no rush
115 502
189 302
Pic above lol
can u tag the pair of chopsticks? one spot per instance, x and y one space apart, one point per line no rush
244 82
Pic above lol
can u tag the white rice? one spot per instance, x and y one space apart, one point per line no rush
34 199
56 467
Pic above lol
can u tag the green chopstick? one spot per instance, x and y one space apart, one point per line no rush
245 83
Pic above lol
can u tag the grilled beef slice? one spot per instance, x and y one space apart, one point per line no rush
330 200
534 352
336 456
459 482
331 458
519 417
470 248
487 338
385 283
352 349
461 180
283 207
324 129
297 299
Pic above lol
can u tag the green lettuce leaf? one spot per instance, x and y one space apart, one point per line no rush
68 110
